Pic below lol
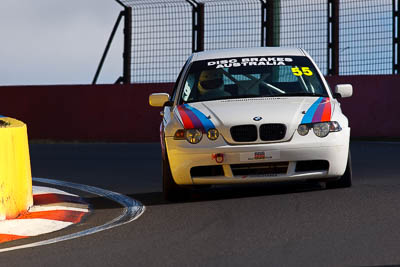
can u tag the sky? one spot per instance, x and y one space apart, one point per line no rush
58 41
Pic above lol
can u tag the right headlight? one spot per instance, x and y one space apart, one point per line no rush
321 129
303 129
193 136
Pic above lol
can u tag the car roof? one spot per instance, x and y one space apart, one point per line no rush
248 52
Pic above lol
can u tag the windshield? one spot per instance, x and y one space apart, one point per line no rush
251 77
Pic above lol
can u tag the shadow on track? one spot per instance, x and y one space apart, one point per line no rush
230 192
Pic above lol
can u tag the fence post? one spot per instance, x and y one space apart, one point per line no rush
96 76
197 25
396 36
333 37
198 28
270 22
264 24
127 55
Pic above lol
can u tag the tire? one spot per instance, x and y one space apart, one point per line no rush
171 190
345 180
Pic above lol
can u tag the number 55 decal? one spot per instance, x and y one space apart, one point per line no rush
304 70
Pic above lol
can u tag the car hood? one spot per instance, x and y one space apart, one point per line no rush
223 114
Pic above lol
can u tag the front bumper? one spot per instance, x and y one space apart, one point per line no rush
332 149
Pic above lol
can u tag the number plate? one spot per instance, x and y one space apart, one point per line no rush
260 155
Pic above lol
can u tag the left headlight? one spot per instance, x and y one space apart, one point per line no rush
193 136
213 134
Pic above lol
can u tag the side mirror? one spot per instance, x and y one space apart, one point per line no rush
343 90
159 99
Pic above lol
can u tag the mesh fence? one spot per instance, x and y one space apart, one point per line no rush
162 32
231 24
365 37
161 39
303 23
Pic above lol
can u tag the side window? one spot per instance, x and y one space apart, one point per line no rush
189 85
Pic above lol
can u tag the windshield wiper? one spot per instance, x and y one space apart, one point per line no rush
210 99
237 97
249 96
301 94
225 97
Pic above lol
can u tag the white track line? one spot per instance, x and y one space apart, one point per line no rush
132 210
49 207
31 227
42 190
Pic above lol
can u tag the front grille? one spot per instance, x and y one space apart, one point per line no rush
244 133
312 165
260 168
272 132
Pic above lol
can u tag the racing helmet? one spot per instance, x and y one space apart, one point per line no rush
210 80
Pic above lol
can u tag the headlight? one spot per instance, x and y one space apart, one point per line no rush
193 136
321 129
212 134
303 129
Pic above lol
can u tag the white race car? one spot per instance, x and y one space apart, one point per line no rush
252 115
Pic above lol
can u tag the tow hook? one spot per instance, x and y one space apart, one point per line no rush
219 157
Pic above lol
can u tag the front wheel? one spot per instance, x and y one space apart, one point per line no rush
345 180
171 190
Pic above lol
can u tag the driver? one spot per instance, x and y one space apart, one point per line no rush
211 85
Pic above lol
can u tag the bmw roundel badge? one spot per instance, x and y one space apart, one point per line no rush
257 118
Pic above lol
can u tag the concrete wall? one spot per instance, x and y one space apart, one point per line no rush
121 112
372 110
84 112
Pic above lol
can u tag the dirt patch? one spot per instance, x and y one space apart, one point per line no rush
4 124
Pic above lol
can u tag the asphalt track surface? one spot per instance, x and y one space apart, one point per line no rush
264 225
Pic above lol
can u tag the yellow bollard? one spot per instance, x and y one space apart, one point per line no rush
15 169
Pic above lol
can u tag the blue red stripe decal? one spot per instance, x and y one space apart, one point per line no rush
319 111
192 118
